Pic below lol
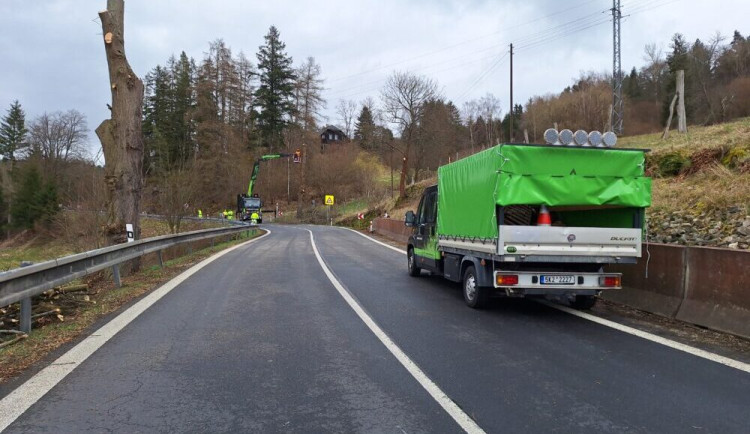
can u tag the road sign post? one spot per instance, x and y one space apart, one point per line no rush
329 201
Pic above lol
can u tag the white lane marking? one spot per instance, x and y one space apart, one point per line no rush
437 394
19 400
627 329
653 338
376 241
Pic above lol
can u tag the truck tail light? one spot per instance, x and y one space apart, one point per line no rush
610 281
506 279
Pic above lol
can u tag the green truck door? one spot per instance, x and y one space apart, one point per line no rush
425 239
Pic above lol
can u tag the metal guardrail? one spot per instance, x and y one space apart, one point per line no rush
21 284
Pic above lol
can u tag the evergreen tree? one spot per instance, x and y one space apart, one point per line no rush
517 130
274 97
183 101
167 125
12 132
34 200
3 211
676 60
631 85
364 129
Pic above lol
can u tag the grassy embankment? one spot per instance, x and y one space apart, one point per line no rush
701 186
40 247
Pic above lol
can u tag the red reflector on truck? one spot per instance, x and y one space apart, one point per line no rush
612 281
506 279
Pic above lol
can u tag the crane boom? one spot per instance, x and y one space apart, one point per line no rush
249 204
256 168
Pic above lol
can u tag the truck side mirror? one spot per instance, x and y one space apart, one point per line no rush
410 219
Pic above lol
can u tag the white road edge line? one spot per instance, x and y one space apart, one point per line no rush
742 366
376 241
652 337
23 397
437 394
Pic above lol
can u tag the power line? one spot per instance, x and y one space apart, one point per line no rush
449 61
366 87
504 29
527 43
481 77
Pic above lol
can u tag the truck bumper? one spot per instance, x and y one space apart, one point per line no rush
560 283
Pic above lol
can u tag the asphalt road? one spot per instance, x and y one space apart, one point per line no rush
261 341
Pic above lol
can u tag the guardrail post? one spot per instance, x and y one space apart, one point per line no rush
25 313
116 275
161 260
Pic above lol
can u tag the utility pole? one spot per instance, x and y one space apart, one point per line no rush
390 163
510 127
302 197
617 104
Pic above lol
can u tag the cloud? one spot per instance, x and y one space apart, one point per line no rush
53 58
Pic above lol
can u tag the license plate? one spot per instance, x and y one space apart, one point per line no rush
557 280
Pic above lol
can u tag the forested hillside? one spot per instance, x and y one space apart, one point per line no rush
207 118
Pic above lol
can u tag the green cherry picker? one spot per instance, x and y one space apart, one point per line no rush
249 205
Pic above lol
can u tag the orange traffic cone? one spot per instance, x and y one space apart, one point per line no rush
544 218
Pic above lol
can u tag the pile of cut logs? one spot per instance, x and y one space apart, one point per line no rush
51 306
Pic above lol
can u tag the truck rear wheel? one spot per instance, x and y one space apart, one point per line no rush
475 296
583 302
414 271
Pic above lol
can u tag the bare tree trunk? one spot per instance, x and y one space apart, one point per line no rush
402 181
121 137
681 117
669 119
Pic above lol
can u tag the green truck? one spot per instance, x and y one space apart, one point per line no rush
249 204
532 220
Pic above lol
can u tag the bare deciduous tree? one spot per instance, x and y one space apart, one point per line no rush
58 137
347 110
489 108
470 113
308 93
404 97
654 70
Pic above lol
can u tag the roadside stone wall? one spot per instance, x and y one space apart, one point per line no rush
729 227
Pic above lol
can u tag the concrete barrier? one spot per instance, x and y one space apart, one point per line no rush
717 290
663 290
391 228
706 286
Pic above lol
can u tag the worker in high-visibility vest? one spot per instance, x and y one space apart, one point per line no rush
230 215
225 214
200 214
254 217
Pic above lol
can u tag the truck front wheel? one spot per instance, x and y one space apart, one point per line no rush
414 271
474 295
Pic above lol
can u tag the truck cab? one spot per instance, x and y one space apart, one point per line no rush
423 241
249 205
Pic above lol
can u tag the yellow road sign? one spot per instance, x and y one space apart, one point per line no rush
329 199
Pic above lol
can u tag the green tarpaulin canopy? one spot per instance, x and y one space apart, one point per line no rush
469 189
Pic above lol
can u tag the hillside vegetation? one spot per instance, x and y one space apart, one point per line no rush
701 186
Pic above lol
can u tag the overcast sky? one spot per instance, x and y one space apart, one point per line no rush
52 55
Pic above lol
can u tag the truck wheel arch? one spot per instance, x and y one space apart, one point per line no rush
484 273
